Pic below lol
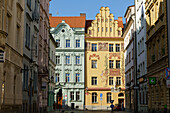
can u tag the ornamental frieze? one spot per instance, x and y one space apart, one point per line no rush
103 46
114 55
114 72
94 55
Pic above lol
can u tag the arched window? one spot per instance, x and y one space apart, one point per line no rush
109 97
94 97
120 95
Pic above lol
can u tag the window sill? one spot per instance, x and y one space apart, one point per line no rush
78 64
95 103
27 47
67 64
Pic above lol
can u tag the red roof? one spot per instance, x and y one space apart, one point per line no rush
74 22
104 37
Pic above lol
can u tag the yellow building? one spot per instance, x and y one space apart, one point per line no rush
104 62
157 54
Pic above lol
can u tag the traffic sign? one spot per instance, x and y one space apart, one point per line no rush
168 83
152 80
101 95
112 106
167 73
111 101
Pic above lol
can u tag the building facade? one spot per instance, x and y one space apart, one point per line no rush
11 44
30 59
43 71
51 68
157 55
68 32
129 44
104 61
141 55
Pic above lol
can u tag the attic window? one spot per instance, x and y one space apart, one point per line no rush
63 30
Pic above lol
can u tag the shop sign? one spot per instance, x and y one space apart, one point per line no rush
141 80
152 80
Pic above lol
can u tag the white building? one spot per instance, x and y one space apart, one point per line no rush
69 32
128 36
141 54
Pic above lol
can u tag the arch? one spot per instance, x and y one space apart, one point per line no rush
120 95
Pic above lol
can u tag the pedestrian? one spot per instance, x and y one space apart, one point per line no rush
54 106
122 105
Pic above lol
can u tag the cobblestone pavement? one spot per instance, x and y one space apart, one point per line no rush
75 111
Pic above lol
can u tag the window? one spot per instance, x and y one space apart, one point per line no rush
110 80
94 80
98 29
94 97
106 29
57 60
109 97
118 80
67 77
110 20
67 43
119 33
117 63
77 59
72 96
77 43
58 43
102 29
129 56
110 47
77 96
94 47
35 81
67 59
57 77
77 77
27 41
111 64
90 32
29 3
110 29
117 47
94 63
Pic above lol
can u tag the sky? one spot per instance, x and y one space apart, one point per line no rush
90 7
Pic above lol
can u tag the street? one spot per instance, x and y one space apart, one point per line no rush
75 111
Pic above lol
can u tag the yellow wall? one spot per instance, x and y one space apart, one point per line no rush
107 23
102 57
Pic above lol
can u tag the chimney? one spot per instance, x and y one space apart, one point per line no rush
82 14
120 19
50 15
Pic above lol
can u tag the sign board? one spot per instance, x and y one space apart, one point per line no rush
2 56
101 95
168 83
111 101
167 73
152 80
112 106
101 98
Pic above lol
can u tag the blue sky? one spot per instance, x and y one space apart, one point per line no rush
90 7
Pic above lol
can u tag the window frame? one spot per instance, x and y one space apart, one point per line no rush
94 64
111 80
77 43
93 80
111 64
94 97
68 43
94 47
